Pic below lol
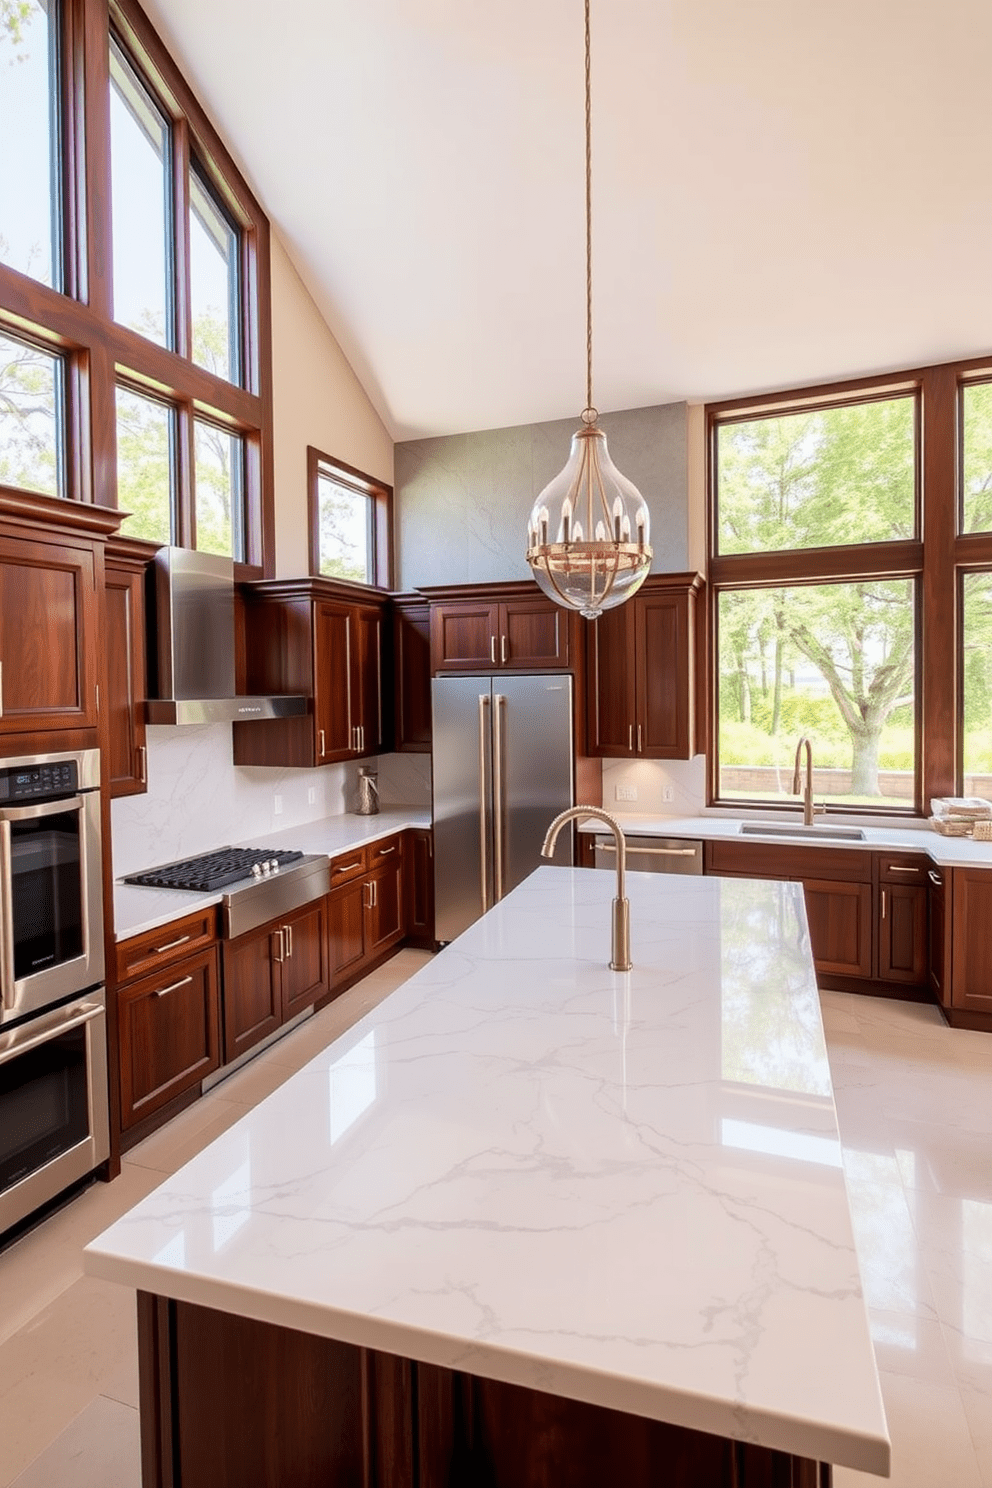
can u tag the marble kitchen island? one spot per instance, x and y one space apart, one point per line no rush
529 1222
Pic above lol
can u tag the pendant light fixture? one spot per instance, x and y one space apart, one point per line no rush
601 552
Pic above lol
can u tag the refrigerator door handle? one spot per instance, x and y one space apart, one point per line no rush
483 801
499 792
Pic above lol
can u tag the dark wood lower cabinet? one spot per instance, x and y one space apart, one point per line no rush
939 935
227 1402
368 912
902 933
346 918
169 1033
419 882
839 916
971 948
273 973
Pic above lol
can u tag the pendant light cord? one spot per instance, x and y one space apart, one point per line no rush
589 416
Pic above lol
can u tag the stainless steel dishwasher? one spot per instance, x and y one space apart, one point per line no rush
651 854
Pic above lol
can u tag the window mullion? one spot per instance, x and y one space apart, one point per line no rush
940 671
185 495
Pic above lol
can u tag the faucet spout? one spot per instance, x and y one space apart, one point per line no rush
620 959
809 809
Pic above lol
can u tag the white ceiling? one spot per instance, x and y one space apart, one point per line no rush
784 190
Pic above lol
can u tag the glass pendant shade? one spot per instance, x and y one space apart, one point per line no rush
589 531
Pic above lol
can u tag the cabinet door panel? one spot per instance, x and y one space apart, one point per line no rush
971 960
252 1007
385 923
346 929
463 636
169 1030
367 680
902 933
419 888
126 680
334 706
664 677
533 633
47 636
610 683
412 658
305 974
839 916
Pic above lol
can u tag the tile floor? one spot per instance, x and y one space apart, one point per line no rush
915 1106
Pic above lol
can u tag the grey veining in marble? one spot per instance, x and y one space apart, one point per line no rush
626 1189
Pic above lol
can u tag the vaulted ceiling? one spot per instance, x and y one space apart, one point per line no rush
784 191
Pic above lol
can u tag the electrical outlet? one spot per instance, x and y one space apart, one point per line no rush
626 793
668 794
277 805
312 795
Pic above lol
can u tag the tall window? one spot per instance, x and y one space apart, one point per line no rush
30 198
811 637
350 522
150 326
851 590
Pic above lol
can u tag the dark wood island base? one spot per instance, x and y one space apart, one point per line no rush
227 1402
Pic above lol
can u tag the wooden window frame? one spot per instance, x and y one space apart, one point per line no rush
936 558
78 321
381 497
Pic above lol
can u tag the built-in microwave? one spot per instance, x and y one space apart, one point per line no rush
51 889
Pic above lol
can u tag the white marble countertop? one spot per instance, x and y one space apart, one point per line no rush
945 852
137 909
625 1189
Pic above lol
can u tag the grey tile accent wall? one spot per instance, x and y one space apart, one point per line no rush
462 501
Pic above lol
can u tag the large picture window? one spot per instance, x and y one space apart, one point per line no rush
851 591
136 371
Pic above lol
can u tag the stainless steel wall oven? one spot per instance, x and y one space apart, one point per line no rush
53 1040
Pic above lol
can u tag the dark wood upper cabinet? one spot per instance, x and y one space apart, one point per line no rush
641 673
48 635
487 627
127 671
411 674
326 640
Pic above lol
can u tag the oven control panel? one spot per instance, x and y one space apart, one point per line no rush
28 782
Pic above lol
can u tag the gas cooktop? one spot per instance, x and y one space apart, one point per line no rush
257 883
214 870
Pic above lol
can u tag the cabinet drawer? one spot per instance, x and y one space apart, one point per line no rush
154 950
169 1034
904 868
349 865
385 851
770 860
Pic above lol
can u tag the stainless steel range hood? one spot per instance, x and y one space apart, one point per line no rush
194 628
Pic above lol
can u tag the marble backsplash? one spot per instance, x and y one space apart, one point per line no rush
685 779
197 799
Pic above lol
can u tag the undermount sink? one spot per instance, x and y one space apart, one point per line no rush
814 833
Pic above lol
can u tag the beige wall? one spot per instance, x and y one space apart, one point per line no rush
318 400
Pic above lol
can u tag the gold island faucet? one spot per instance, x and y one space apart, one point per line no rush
809 808
621 907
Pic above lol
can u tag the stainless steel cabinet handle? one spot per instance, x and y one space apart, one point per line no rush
483 813
278 935
383 852
492 649
502 650
361 736
142 764
883 904
935 878
898 868
630 738
639 738
288 931
346 867
171 945
499 791
375 893
322 749
174 987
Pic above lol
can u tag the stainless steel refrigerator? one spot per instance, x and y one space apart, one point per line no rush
503 769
